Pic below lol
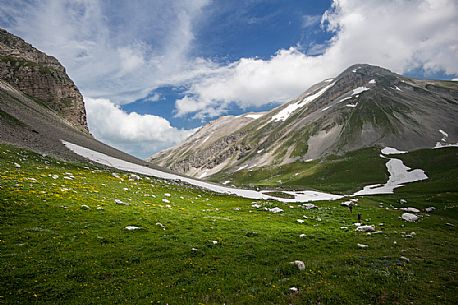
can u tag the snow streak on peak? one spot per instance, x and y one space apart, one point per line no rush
284 114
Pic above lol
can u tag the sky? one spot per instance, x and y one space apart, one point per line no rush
153 71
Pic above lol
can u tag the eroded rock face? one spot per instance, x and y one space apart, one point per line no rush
41 77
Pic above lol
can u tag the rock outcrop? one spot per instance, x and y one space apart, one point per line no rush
42 78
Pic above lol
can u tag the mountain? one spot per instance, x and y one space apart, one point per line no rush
40 105
365 106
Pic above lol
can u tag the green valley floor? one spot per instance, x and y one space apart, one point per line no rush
78 233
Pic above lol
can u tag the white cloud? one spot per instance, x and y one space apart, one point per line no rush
398 35
118 50
310 20
140 135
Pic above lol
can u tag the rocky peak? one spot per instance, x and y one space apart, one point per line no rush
41 77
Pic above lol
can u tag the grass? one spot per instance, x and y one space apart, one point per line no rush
336 174
53 250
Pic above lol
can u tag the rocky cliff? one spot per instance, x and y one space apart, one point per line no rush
42 78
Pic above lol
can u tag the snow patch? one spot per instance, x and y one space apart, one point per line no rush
204 174
260 151
287 111
392 151
326 108
352 105
443 133
372 81
254 116
359 90
399 174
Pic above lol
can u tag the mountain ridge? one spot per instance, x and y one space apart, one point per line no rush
364 106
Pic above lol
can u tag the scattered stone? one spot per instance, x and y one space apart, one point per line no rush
160 225
293 290
193 249
215 242
302 236
168 206
133 177
275 210
119 201
309 206
430 209
365 229
300 221
55 177
165 200
347 203
100 208
68 178
405 259
362 246
167 195
357 224
410 210
299 264
116 175
344 228
411 235
305 217
125 189
256 205
181 197
132 228
450 224
17 165
402 201
409 217
236 209
318 219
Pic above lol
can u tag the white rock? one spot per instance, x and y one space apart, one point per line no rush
293 289
85 206
365 229
167 194
256 205
165 200
17 165
430 209
309 206
215 242
275 210
119 201
409 217
299 264
132 228
236 209
363 246
68 178
133 177
55 177
302 236
126 189
300 221
357 224
347 203
160 225
402 201
403 258
168 206
410 210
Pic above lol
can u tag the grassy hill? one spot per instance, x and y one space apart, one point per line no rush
63 241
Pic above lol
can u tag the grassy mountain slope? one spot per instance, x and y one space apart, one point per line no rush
55 250
363 107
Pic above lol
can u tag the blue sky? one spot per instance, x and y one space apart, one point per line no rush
160 68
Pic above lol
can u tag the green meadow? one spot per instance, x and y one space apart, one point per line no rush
63 239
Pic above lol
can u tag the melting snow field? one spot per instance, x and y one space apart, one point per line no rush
399 174
132 167
392 151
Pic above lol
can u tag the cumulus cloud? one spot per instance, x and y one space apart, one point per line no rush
398 35
140 135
